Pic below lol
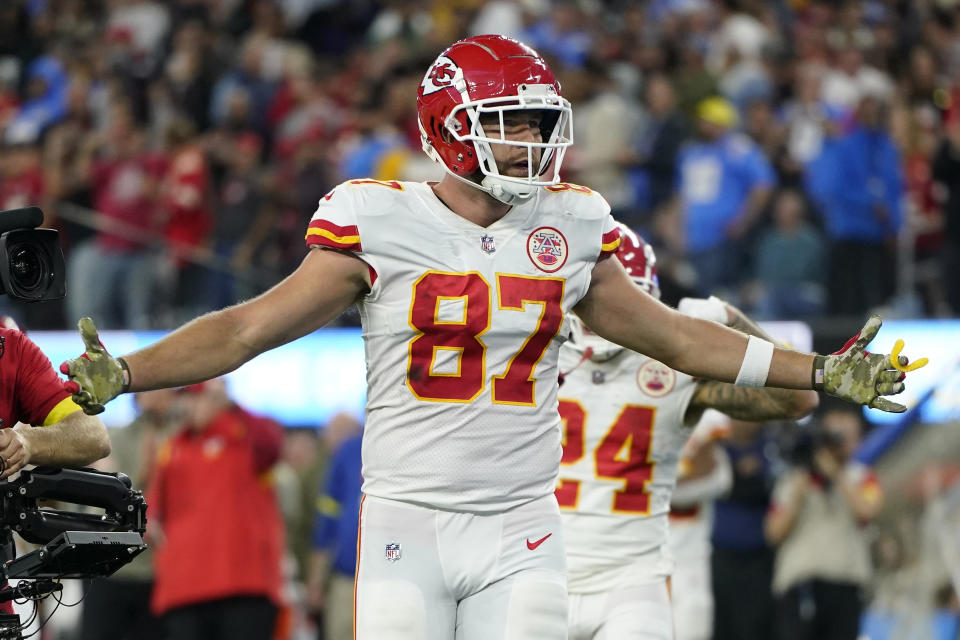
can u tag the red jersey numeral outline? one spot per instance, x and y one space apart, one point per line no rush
574 418
514 292
517 384
624 453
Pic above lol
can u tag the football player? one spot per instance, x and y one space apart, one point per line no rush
462 287
703 476
626 418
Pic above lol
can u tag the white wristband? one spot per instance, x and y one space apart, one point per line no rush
756 363
711 308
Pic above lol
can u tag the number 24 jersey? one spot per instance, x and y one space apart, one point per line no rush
461 332
623 432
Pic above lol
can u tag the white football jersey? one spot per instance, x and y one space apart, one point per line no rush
624 429
690 526
462 331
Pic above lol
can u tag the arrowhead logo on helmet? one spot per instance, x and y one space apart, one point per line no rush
440 75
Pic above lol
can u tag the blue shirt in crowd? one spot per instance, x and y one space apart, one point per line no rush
855 175
338 508
714 181
738 519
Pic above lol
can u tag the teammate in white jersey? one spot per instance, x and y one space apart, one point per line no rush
463 286
704 475
626 419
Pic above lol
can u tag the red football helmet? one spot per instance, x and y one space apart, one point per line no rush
491 75
638 259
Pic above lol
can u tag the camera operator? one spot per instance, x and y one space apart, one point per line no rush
31 393
816 520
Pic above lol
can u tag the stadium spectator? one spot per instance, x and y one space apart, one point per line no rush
112 275
560 33
665 129
742 561
215 522
946 171
308 452
724 182
806 115
790 265
606 128
244 213
188 75
816 521
253 77
334 559
118 607
21 171
187 219
857 183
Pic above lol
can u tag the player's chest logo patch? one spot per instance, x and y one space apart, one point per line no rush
656 379
487 244
598 377
547 249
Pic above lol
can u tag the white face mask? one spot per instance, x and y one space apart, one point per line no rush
514 189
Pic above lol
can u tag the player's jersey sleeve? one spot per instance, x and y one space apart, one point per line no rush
610 240
40 396
334 224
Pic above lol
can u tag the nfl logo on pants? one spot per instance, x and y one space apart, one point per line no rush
393 551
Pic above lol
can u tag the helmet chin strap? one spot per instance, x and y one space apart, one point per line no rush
506 192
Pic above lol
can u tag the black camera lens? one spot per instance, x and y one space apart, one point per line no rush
31 265
26 266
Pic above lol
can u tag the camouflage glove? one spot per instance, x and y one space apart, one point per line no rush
855 374
96 377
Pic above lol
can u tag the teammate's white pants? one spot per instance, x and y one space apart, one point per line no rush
692 598
640 612
460 576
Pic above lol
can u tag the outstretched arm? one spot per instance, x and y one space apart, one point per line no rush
745 403
325 284
619 311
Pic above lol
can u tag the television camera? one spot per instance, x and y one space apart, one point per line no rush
31 262
73 544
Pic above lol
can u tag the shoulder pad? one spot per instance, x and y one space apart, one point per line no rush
582 201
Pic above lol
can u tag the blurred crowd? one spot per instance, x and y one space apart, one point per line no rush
800 157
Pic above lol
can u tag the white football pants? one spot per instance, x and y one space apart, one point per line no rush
692 599
640 612
424 574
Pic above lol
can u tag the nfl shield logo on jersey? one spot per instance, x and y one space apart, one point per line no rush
393 551
486 244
